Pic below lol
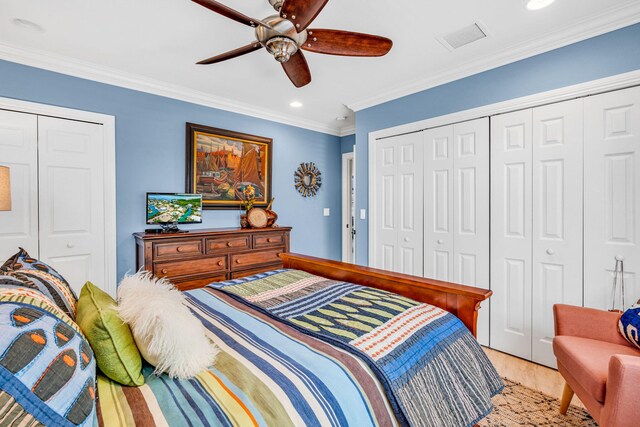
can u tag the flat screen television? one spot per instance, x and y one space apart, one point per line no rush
170 209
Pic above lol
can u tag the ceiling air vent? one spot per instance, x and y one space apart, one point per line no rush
464 36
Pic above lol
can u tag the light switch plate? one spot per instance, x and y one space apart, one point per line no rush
327 211
363 214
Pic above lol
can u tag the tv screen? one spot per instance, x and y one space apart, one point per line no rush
167 208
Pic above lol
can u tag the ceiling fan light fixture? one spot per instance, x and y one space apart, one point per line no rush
295 104
282 48
538 4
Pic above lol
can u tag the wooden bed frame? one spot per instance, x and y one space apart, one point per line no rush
462 301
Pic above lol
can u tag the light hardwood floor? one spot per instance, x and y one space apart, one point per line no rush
529 374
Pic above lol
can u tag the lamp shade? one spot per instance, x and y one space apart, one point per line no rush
5 189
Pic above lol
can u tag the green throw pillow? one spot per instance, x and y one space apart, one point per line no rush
116 352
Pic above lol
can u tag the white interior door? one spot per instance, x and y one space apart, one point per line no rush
612 196
410 203
557 218
348 208
19 151
398 236
438 207
511 242
72 199
471 211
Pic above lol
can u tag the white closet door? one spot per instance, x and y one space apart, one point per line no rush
399 236
471 211
438 207
72 197
19 151
511 153
557 218
410 203
612 194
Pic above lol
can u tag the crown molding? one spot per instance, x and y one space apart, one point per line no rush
90 71
347 130
620 16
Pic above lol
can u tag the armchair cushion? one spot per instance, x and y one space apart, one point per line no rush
629 325
590 361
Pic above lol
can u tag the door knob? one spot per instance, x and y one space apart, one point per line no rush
550 251
439 241
406 239
70 245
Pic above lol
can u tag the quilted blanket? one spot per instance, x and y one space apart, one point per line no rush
266 374
434 371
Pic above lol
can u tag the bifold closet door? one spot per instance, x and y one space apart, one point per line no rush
72 198
438 206
19 151
612 195
557 218
457 208
398 203
511 237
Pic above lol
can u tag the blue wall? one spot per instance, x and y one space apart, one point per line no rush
347 142
150 156
606 55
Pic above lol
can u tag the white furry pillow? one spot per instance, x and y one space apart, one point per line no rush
168 335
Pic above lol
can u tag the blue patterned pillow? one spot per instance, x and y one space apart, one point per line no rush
24 271
47 369
629 325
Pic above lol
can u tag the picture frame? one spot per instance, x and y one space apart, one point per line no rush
222 164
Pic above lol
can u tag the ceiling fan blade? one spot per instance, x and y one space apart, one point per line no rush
231 54
297 70
301 12
346 43
230 13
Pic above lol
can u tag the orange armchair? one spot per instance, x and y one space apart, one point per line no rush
600 366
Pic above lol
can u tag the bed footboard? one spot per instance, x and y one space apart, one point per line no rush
462 301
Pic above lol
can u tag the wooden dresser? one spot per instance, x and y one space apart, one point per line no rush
199 257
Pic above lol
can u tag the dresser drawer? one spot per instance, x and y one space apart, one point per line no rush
199 283
228 244
268 240
184 248
190 267
252 271
241 261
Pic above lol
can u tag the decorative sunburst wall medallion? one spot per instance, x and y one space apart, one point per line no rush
307 179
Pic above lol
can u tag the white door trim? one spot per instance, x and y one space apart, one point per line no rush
346 206
607 84
109 168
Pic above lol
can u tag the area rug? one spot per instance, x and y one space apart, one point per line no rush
518 405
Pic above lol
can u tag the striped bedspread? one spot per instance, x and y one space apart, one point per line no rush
267 374
432 368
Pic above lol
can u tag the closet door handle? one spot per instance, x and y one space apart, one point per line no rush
550 251
406 239
439 241
70 245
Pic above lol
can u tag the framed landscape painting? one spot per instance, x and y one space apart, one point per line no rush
223 166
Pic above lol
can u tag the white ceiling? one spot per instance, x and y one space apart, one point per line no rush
152 45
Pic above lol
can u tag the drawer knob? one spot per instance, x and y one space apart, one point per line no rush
179 249
220 263
238 261
164 271
270 240
550 251
229 244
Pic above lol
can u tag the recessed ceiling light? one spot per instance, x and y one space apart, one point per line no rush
295 104
538 4
28 25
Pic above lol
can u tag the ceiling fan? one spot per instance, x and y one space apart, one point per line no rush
285 34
